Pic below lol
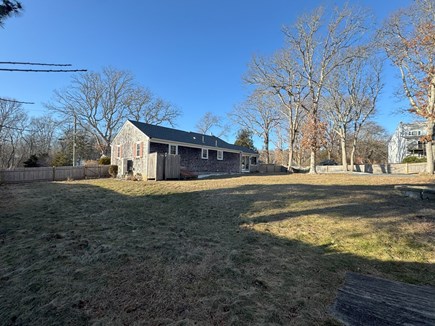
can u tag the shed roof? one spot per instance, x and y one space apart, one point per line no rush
188 137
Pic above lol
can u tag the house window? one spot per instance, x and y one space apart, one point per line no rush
220 155
118 151
204 153
173 149
138 150
253 160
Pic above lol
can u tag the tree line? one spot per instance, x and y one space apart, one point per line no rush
322 87
88 114
315 98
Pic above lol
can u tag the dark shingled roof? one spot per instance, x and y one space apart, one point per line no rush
194 138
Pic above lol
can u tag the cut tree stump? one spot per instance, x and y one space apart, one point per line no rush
367 300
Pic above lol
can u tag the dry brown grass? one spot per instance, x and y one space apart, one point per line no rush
264 249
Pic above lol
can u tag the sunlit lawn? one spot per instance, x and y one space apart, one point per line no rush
257 249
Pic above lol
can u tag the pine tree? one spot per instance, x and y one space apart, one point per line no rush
244 138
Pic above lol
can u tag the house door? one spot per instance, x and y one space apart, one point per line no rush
130 166
245 163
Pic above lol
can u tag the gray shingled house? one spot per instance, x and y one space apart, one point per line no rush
132 146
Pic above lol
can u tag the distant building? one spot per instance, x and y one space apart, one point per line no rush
406 142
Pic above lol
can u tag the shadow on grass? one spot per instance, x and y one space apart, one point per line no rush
76 253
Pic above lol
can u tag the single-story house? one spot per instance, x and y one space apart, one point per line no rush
198 153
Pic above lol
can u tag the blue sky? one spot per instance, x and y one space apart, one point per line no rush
192 53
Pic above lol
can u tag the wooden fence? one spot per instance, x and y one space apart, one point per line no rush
396 168
271 168
53 173
162 167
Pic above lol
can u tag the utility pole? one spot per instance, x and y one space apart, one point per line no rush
74 141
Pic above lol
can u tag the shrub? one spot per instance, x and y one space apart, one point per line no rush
113 170
61 159
104 160
414 159
32 162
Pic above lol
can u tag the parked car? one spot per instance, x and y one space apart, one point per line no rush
328 162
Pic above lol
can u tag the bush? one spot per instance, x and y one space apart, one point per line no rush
61 159
113 170
414 159
32 162
104 160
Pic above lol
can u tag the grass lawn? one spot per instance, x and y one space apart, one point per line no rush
257 249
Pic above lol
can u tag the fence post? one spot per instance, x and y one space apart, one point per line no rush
54 173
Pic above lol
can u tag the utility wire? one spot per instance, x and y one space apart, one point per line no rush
35 64
44 70
15 101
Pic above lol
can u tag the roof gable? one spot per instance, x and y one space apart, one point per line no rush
194 138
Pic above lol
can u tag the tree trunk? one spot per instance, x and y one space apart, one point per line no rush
429 150
352 154
266 148
313 162
291 145
343 154
300 157
290 159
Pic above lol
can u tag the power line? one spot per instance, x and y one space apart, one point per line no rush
15 101
42 70
35 64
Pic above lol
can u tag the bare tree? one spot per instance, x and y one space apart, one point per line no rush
320 44
372 144
408 38
210 123
260 115
332 141
143 105
352 92
279 77
100 102
364 90
338 111
207 122
13 123
41 135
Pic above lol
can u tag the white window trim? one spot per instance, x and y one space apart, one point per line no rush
206 151
118 151
221 158
136 150
176 148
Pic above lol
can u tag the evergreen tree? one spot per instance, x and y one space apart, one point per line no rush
244 138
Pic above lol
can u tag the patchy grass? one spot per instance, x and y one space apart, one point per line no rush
244 250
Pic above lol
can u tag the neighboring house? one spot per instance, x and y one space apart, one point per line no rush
406 142
198 153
